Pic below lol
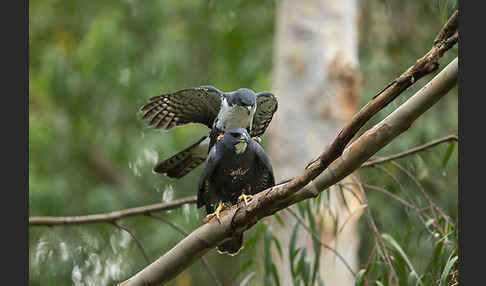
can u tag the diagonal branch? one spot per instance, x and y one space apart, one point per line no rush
139 244
445 40
181 231
239 218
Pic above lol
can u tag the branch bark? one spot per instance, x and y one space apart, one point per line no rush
112 216
266 203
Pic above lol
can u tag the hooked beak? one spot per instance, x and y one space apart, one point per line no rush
242 138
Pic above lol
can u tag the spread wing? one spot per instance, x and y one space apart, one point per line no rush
266 178
266 107
191 105
209 165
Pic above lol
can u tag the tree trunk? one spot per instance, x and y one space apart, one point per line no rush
317 82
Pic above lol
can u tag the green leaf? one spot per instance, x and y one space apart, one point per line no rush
341 191
277 244
447 270
275 275
292 251
247 279
399 249
279 219
301 208
306 272
359 277
243 268
448 154
435 258
315 243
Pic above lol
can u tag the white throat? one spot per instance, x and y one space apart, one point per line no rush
230 117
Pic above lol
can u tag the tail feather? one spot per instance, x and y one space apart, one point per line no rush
184 161
232 246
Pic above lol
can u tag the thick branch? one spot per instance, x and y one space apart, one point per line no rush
238 219
445 40
112 216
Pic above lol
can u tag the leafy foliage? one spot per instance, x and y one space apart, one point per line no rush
92 64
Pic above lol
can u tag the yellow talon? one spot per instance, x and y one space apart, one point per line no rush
257 139
220 137
245 198
216 213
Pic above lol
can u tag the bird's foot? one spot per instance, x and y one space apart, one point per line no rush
217 213
220 137
257 139
245 198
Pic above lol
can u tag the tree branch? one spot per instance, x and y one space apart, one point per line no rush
181 231
239 218
445 40
139 243
372 163
148 209
112 216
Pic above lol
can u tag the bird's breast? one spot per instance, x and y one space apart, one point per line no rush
231 117
238 174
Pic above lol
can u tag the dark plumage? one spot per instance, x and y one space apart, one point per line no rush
236 164
213 108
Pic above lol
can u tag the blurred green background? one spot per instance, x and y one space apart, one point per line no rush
93 64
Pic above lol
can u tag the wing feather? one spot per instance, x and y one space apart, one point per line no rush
191 105
266 107
209 165
266 179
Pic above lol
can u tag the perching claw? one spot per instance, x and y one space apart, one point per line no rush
245 198
217 213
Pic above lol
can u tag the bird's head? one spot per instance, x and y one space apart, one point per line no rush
236 139
242 97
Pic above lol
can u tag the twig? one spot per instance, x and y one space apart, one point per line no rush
412 151
378 241
139 244
181 231
301 222
395 179
395 197
112 216
424 193
421 216
357 210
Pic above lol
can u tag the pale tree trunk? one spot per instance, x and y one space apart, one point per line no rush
317 82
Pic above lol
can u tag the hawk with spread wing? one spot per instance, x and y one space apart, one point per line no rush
218 110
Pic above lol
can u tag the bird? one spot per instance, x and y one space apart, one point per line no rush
237 167
217 110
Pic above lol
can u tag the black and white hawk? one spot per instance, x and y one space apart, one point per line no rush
218 110
236 168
